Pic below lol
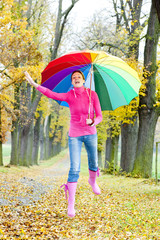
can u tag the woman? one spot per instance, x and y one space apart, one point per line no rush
82 129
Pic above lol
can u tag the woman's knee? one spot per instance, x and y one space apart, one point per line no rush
73 176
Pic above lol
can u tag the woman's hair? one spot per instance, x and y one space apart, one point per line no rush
78 72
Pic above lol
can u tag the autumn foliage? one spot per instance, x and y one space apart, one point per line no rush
126 209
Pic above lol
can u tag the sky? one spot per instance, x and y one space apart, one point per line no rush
84 9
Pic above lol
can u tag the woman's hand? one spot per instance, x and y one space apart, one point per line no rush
90 122
30 80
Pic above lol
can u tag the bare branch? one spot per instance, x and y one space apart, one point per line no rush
66 12
124 16
6 67
130 4
112 46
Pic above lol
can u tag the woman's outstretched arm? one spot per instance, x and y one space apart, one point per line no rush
47 92
30 80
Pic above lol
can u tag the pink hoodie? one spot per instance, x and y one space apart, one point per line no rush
78 101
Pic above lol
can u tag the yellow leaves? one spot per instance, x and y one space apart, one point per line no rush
22 231
1 232
133 22
126 209
17 41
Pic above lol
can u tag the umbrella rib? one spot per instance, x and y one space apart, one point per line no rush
84 58
102 60
78 61
120 75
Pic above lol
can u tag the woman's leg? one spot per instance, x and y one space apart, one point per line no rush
90 142
75 145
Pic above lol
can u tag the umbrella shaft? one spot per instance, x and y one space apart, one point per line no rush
90 92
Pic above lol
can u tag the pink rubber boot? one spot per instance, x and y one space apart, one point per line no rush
71 188
92 181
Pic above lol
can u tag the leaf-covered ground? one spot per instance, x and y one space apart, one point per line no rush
34 207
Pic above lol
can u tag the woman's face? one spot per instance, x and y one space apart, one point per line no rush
77 80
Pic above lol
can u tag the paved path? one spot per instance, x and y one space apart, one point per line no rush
26 191
58 169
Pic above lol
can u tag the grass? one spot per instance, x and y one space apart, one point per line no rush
42 164
84 165
53 160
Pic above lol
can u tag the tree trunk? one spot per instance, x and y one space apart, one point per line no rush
129 132
116 141
59 147
148 114
100 164
14 145
157 6
144 154
55 149
111 154
23 161
51 153
47 129
25 129
36 140
14 133
30 145
129 135
42 142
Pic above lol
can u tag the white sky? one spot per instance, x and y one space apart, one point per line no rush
84 9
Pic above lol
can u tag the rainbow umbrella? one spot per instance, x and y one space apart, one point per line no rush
115 82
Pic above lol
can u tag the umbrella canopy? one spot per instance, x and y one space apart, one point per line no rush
115 82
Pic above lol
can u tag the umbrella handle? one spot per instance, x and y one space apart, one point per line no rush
89 110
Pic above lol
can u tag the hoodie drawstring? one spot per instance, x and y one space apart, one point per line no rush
65 189
74 93
98 172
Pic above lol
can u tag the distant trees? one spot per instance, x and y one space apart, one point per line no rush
22 44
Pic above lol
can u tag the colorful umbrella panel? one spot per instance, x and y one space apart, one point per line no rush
115 82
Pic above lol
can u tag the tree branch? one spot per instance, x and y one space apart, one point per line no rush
112 46
6 67
124 16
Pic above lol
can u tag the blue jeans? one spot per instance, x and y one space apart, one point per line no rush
75 145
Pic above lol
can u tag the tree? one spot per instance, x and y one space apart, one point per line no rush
61 20
17 49
148 107
60 25
129 17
